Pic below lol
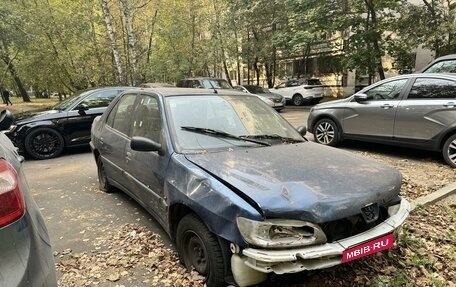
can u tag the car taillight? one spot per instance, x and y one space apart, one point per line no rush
12 205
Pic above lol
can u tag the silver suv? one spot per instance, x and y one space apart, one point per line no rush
417 111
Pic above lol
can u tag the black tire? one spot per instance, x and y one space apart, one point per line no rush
103 181
326 132
198 248
44 143
298 100
449 151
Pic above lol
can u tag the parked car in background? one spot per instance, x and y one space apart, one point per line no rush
417 111
156 85
274 100
301 91
204 83
25 250
445 64
241 192
45 134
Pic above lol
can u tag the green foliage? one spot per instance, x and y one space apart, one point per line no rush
63 45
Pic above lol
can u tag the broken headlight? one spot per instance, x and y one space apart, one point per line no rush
277 233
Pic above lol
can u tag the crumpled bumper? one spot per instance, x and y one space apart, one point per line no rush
320 256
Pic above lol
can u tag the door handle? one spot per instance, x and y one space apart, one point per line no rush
386 106
450 105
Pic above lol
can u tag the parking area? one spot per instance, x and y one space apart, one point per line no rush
104 239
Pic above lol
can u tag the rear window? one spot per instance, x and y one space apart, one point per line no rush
314 82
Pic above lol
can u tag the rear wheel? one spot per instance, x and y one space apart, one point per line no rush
102 178
449 150
298 100
198 248
44 143
326 132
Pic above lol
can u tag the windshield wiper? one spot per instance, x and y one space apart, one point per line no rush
222 134
274 137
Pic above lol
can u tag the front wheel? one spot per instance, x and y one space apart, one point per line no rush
326 132
449 151
44 143
198 248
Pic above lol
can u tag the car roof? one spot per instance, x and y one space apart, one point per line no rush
203 78
171 92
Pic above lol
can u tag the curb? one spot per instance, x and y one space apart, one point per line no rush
435 196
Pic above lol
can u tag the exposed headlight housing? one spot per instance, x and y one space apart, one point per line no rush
277 233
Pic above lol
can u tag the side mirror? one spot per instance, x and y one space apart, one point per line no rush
361 98
82 108
302 130
144 144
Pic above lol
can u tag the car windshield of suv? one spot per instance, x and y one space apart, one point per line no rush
257 90
203 123
70 101
445 66
216 84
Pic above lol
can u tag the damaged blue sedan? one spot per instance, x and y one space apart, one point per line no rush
239 190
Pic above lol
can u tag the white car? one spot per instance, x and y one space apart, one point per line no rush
300 91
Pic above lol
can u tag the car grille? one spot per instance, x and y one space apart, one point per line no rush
350 226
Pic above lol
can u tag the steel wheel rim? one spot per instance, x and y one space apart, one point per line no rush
452 151
195 252
325 133
45 143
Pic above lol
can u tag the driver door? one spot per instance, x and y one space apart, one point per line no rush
375 116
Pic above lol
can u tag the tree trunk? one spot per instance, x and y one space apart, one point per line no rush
112 39
131 40
376 40
222 46
17 80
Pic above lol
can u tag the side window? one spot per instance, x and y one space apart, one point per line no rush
147 122
282 85
100 99
387 91
427 88
121 115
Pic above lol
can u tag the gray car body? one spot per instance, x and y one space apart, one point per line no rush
25 249
302 181
423 124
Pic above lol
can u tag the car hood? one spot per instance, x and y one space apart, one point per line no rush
27 117
331 103
270 95
303 181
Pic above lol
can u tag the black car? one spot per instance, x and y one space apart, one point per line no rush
25 249
44 135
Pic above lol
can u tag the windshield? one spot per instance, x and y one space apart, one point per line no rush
216 84
197 123
70 101
446 66
257 90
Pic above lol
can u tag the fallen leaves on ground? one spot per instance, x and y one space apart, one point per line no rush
123 255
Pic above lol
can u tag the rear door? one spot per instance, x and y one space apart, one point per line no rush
375 117
115 136
428 109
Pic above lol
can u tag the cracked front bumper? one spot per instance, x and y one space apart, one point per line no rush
320 256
